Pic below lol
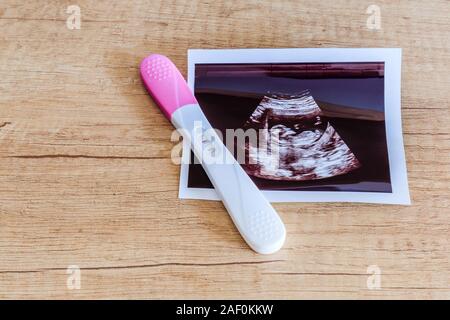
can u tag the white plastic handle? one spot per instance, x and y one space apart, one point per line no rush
254 217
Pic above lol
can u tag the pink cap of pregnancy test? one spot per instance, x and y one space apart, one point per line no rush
165 84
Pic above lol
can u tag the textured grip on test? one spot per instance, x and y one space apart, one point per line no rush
165 84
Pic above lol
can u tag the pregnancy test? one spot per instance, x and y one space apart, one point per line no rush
254 217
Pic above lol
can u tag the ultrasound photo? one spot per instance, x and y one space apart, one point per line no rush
329 119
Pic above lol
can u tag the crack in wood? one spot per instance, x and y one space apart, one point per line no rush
141 266
4 124
61 20
75 156
315 273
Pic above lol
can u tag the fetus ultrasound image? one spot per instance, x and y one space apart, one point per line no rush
307 146
325 121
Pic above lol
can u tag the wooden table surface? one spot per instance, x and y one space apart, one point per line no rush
86 177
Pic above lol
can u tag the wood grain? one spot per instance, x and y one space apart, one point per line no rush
86 177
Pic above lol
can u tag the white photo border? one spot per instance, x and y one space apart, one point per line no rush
392 85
